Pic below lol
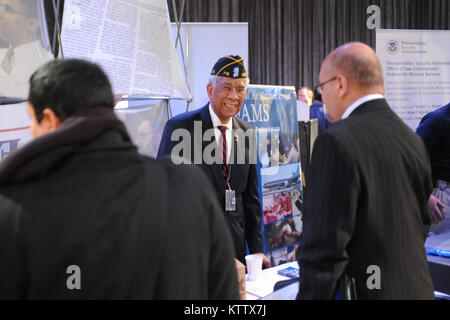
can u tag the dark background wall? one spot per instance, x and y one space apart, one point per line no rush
288 39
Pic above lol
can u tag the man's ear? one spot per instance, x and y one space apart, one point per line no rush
50 121
209 89
343 86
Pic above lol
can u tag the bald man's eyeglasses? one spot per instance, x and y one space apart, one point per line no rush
320 85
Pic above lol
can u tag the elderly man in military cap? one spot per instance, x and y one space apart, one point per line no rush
235 183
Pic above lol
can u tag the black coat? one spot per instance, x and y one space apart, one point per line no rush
135 227
245 222
365 205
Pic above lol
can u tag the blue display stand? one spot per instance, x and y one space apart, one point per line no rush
272 111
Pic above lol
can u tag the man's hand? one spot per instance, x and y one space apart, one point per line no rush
435 211
266 262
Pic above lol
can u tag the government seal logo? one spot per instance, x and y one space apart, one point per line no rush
392 46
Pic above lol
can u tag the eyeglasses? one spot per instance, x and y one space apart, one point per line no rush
320 85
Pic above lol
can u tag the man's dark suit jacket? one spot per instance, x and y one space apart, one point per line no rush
245 222
366 205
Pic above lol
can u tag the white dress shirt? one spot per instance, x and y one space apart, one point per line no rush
216 122
359 102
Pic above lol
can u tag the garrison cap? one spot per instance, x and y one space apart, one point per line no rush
230 67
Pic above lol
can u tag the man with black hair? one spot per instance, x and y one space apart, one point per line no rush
84 216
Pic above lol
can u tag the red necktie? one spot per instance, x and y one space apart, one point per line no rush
223 150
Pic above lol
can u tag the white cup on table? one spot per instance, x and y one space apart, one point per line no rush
254 266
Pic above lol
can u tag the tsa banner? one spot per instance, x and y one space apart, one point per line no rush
416 66
271 110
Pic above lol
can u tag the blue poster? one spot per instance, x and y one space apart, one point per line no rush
271 110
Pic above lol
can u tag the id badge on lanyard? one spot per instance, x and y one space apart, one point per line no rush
230 196
230 200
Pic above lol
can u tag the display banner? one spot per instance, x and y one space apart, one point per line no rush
144 120
24 45
272 111
14 127
130 40
416 66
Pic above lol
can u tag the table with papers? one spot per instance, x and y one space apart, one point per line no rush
264 286
439 266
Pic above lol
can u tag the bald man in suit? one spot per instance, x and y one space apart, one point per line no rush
366 214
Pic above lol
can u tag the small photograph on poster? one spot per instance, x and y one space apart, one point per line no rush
297 201
145 123
277 206
286 179
24 45
298 223
289 150
269 151
283 255
275 149
283 233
